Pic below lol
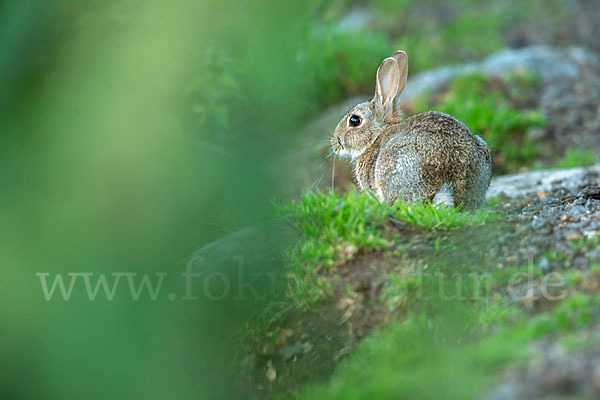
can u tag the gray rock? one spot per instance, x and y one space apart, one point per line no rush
592 226
536 134
550 63
539 223
239 270
576 212
589 192
519 185
544 265
581 262
593 255
355 20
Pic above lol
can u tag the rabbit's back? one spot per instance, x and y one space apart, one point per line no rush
427 151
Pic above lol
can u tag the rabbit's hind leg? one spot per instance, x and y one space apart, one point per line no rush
469 189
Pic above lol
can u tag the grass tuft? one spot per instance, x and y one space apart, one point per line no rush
335 227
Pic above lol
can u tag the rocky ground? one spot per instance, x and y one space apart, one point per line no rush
558 215
564 212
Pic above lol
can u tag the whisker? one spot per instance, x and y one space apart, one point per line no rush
323 168
333 175
317 181
328 156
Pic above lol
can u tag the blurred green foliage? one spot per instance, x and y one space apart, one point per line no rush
577 158
435 33
133 132
338 64
333 63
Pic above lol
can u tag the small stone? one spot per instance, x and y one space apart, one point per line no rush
571 236
271 372
590 203
536 134
530 209
307 347
539 223
581 226
594 255
576 212
590 191
581 262
560 191
551 200
545 265
290 351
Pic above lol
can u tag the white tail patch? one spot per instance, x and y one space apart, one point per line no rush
444 196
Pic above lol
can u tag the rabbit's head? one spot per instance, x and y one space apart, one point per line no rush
363 124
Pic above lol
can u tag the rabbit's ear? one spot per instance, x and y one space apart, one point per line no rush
388 80
402 60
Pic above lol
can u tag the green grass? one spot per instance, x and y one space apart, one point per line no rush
416 359
577 158
585 243
457 325
335 227
436 342
459 329
402 289
461 345
439 217
488 106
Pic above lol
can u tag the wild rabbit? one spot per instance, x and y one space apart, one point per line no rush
427 156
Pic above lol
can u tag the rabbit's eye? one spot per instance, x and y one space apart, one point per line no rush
354 120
